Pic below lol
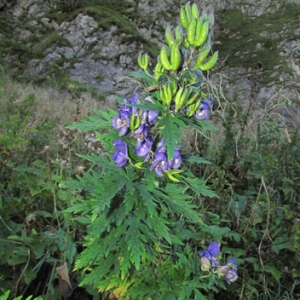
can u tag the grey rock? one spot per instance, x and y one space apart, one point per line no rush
46 61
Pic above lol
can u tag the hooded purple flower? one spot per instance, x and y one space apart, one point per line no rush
120 155
202 112
141 132
176 161
131 109
144 146
229 271
149 116
134 100
121 121
209 257
160 147
160 163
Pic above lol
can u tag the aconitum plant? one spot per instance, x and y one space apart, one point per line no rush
141 199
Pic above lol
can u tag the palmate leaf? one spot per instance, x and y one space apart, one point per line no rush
178 202
198 186
171 132
147 79
101 121
199 125
107 189
195 159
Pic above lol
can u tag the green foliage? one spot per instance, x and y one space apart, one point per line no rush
241 34
35 235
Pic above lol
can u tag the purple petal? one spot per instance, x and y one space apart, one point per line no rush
176 160
214 249
144 147
120 155
203 111
152 115
223 270
232 261
205 253
231 276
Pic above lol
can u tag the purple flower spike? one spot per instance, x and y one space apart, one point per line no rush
202 112
143 147
176 161
160 163
120 155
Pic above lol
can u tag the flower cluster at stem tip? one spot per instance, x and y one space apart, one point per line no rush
138 122
210 260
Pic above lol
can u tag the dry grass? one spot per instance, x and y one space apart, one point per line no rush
51 106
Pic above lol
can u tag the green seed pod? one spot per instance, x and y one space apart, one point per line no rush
168 93
195 11
193 108
178 35
203 34
175 57
162 95
169 37
183 19
143 61
188 12
193 99
186 44
164 58
178 97
159 69
174 87
198 29
191 32
203 52
210 63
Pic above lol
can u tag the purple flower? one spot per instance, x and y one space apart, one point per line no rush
130 109
229 271
134 100
144 146
160 163
149 116
176 161
141 132
209 257
121 121
203 110
120 155
160 147
231 276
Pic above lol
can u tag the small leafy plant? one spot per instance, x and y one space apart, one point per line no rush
140 200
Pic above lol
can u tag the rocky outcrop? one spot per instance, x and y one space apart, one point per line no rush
102 59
